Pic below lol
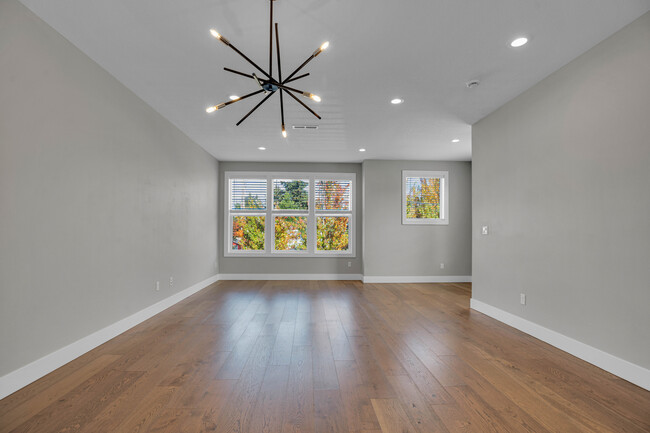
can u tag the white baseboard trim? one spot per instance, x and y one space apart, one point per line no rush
416 279
257 277
359 277
22 377
624 369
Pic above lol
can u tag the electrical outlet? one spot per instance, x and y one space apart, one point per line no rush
157 286
349 264
484 230
171 281
442 266
522 299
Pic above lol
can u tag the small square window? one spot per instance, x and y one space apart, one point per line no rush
425 197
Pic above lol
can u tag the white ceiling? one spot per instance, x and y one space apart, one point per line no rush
421 50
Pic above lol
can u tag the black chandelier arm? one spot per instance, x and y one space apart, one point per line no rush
277 46
238 73
294 78
243 97
271 40
282 86
255 107
300 67
274 82
243 74
225 104
249 60
302 103
282 110
313 55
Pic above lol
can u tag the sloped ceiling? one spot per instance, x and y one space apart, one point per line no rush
423 51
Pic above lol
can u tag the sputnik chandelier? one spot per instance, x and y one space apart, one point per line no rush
267 84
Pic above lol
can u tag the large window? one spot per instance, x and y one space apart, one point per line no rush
293 214
425 197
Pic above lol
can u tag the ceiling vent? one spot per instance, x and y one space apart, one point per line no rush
305 126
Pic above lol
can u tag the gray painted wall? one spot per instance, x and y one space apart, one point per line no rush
394 249
99 196
561 175
284 265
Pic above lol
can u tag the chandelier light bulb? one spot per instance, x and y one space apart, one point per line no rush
311 96
217 35
284 132
215 107
321 48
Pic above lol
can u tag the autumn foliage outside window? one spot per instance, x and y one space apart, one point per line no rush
248 233
291 233
332 233
423 197
333 195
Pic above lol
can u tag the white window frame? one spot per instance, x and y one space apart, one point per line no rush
444 202
269 225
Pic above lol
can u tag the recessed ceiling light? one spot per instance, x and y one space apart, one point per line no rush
519 42
262 148
234 97
362 150
396 101
455 140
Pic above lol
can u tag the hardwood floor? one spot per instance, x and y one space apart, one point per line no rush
326 356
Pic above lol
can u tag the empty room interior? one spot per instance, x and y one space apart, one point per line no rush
324 216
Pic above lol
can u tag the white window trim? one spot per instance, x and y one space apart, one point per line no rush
270 214
444 208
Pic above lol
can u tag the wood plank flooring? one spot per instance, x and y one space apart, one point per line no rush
326 357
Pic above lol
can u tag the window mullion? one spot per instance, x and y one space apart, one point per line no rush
269 231
311 220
